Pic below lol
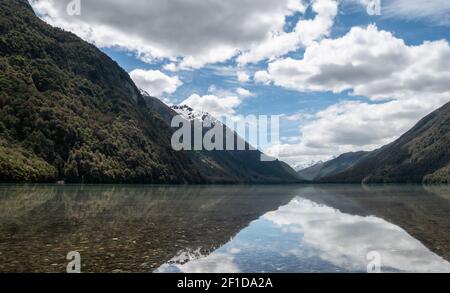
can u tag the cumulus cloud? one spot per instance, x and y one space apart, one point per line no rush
407 82
218 102
197 32
243 76
262 77
214 105
305 32
155 82
369 62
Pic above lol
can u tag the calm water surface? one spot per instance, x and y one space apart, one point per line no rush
224 229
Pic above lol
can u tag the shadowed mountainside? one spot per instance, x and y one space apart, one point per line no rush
422 155
226 166
332 167
69 112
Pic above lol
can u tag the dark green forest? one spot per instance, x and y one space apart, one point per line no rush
69 112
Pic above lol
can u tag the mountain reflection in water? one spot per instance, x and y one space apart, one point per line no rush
224 228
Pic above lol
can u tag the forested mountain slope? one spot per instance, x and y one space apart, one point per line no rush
69 112
422 155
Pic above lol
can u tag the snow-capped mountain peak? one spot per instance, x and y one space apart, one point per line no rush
191 114
144 93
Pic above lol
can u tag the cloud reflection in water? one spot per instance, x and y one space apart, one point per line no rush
304 236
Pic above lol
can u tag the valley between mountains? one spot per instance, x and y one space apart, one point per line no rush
70 113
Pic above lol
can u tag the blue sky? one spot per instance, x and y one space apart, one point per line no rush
354 89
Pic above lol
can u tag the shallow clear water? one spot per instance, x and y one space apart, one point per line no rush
225 228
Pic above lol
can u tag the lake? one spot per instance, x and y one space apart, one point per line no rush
341 228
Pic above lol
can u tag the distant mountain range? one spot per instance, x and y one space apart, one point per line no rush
422 155
69 112
332 167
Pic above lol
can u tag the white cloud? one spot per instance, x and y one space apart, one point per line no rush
244 93
436 11
291 139
369 62
218 102
170 67
408 81
214 105
243 76
305 32
155 82
354 126
262 77
194 32
298 116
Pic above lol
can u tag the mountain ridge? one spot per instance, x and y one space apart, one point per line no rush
421 155
244 164
69 112
331 167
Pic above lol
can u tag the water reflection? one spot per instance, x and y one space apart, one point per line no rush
224 229
122 228
309 237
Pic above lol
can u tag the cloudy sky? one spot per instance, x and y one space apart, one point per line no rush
342 77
